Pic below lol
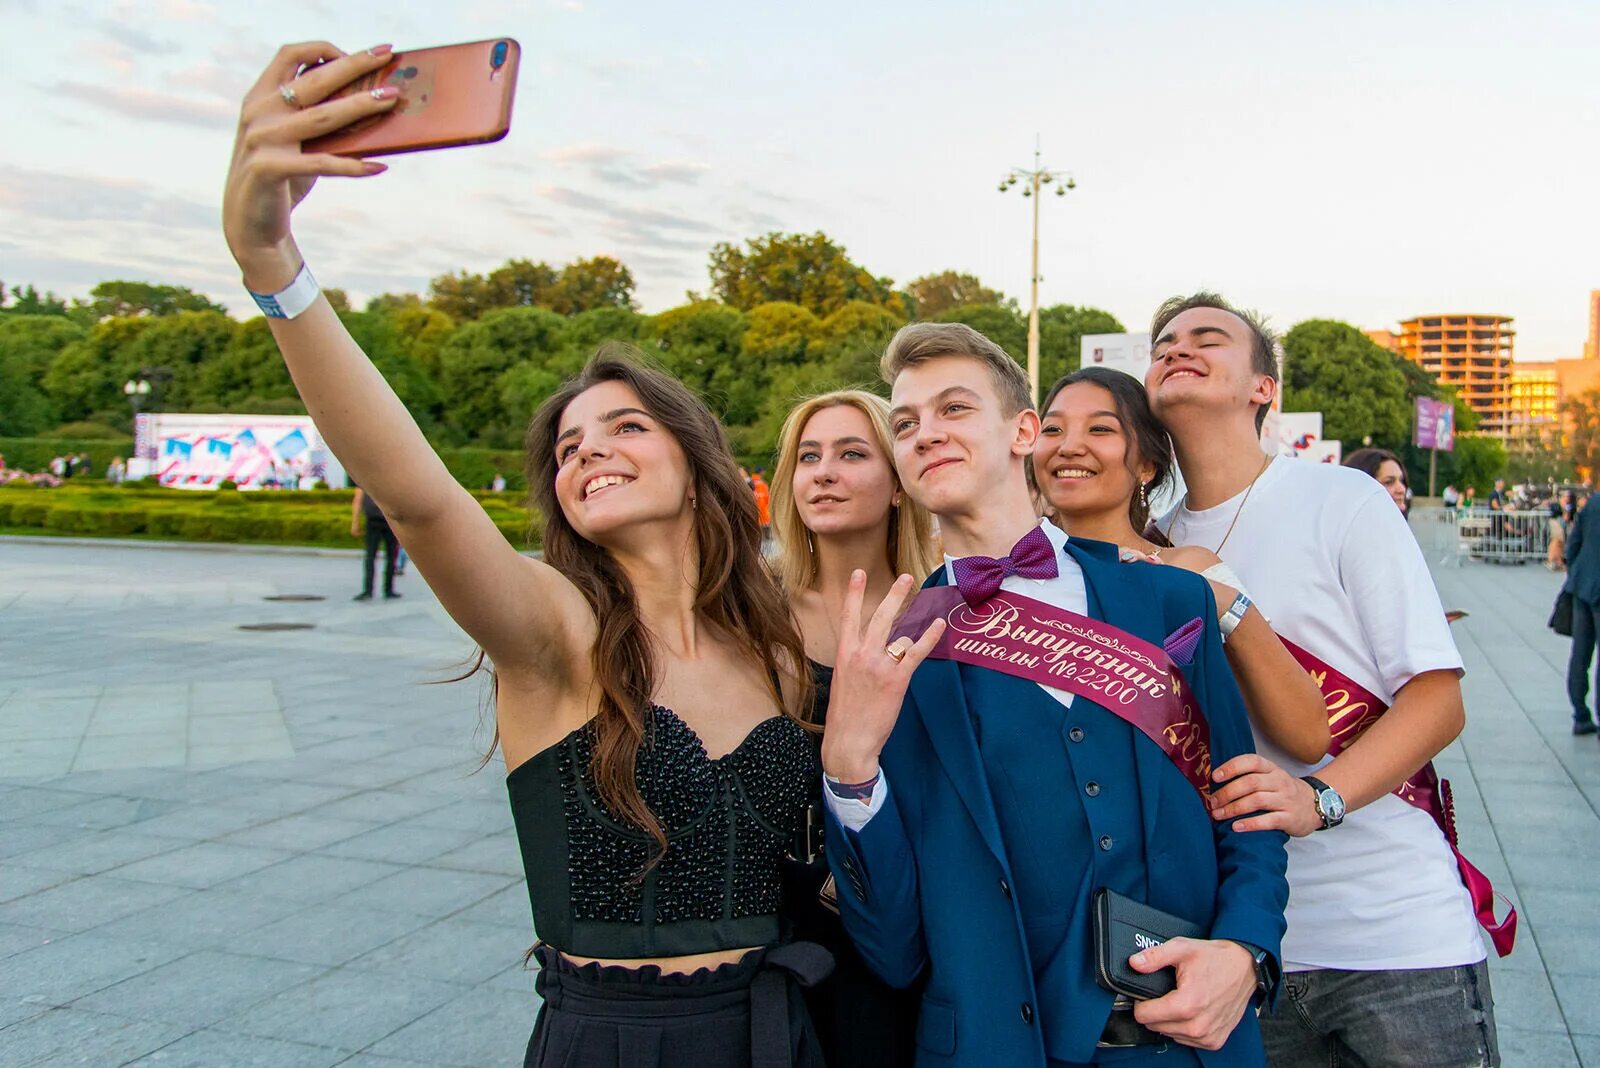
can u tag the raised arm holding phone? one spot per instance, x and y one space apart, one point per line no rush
650 686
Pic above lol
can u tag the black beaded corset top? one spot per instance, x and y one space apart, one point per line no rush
728 823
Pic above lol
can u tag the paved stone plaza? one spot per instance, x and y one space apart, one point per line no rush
226 847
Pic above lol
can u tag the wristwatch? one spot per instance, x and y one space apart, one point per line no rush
1330 806
1266 971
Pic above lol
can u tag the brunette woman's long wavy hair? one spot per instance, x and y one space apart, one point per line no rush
736 595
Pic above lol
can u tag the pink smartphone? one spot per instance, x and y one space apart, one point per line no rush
449 96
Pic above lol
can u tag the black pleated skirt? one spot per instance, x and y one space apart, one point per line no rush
745 1015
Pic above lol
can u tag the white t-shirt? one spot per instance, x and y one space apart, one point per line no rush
1330 560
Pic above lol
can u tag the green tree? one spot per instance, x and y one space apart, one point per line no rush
585 285
935 293
1477 461
1333 368
1061 330
1582 416
173 353
695 341
851 342
85 378
28 343
805 269
1004 326
514 284
588 330
126 298
421 331
247 372
28 301
477 357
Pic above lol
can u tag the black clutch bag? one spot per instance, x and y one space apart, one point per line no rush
1561 615
1123 927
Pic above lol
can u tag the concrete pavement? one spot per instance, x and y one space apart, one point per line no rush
269 847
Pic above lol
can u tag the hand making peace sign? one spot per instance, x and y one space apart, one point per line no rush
870 677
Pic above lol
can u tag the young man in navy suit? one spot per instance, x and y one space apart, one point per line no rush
973 819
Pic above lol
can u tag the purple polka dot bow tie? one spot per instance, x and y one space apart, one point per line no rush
979 577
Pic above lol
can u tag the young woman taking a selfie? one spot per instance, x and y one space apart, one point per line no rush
650 686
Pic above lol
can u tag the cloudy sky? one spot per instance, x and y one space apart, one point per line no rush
1364 161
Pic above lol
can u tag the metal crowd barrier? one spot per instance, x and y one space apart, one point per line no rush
1451 535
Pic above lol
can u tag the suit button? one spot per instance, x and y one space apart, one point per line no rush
1105 841
1093 789
1027 1013
1076 734
1005 888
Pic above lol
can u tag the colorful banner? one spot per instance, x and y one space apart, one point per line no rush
1435 425
251 451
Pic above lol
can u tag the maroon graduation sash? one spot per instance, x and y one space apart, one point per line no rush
1352 708
1089 658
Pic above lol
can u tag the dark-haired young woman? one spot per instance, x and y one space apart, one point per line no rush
649 681
1101 453
1390 473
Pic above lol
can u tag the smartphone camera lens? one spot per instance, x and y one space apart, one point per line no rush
498 56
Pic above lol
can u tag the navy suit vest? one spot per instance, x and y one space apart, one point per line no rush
1063 844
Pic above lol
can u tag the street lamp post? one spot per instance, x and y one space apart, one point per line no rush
136 391
1033 182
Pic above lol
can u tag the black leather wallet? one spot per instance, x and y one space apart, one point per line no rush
1123 927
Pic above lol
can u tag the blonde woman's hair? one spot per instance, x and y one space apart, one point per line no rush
910 545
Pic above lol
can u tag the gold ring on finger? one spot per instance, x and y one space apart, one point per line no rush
897 651
287 92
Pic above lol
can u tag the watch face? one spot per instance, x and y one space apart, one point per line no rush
1333 805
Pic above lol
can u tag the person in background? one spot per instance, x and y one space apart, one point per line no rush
838 508
758 485
1469 499
497 484
1451 497
116 471
1563 513
1582 556
1386 467
378 533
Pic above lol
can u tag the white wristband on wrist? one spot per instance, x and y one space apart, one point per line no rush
1234 616
290 301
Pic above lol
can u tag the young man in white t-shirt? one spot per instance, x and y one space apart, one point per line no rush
1388 967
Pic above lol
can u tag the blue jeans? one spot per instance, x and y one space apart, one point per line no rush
1417 1018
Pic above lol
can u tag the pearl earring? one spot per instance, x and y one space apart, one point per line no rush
1144 502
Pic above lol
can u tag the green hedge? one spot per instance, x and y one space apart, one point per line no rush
35 454
309 518
473 468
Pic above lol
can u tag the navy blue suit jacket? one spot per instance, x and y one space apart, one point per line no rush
1583 555
925 885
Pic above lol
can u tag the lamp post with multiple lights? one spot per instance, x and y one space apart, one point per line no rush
136 392
1033 181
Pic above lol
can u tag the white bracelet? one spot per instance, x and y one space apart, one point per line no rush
1234 616
290 301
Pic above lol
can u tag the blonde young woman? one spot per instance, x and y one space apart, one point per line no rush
837 508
